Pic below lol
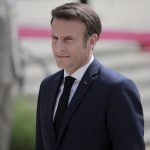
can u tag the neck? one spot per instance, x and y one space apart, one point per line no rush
71 71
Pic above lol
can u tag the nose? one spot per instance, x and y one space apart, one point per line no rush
60 45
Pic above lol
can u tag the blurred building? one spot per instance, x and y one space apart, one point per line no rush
9 68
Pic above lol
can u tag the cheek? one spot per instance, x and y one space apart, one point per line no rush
53 48
80 55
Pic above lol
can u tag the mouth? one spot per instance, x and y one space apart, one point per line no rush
61 57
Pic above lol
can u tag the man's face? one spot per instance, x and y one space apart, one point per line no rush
68 44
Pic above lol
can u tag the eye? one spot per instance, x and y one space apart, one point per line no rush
54 38
68 39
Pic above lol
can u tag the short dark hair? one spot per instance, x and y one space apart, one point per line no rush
81 12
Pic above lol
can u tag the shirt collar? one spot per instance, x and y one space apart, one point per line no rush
78 74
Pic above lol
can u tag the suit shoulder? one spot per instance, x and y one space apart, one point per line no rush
111 76
111 79
52 77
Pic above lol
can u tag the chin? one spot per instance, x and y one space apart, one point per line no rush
60 66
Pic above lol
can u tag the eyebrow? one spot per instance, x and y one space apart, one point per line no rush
65 37
68 37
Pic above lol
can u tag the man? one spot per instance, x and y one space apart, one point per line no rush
8 69
103 109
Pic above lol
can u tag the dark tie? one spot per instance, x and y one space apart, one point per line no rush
63 103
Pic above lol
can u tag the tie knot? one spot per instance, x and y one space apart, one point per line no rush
69 82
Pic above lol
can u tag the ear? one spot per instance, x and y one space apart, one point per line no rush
92 40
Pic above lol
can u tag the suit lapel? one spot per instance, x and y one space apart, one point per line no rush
50 104
54 89
83 87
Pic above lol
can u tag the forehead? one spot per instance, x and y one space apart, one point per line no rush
67 27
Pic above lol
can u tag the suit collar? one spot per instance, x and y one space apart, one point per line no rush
78 74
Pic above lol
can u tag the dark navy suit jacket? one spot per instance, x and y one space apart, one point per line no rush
105 113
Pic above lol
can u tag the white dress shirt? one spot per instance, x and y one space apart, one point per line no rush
78 74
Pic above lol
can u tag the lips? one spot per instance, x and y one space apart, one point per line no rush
60 56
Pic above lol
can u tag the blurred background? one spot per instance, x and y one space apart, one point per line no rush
26 58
